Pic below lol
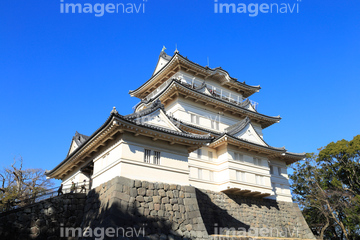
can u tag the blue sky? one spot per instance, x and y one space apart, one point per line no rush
62 73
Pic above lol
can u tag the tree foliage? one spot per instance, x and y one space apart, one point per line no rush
19 186
327 187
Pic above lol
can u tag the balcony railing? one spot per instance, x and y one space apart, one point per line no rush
195 83
215 91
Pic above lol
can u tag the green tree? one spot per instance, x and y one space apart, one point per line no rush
327 187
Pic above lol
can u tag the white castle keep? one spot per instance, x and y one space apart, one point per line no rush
194 126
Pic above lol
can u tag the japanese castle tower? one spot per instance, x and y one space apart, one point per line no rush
194 126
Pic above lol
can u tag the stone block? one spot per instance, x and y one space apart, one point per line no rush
175 207
156 199
145 184
190 201
173 201
140 199
141 191
189 189
133 192
189 227
168 207
162 193
182 208
176 193
151 206
122 196
161 213
148 199
125 181
138 183
169 194
146 212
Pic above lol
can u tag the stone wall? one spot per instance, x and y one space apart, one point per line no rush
42 220
159 210
169 211
237 216
137 209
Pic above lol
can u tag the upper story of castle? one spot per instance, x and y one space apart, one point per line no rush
208 98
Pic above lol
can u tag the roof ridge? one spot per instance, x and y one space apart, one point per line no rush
237 127
241 105
153 107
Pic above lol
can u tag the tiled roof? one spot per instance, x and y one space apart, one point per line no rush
242 105
153 107
80 138
237 127
213 70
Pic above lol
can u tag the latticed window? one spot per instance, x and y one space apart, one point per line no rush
238 157
259 179
157 157
210 155
214 124
200 176
257 161
147 155
195 119
271 169
240 176
199 153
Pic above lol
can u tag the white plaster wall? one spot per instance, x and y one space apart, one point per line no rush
280 182
128 161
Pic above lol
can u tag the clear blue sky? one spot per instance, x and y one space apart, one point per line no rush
62 73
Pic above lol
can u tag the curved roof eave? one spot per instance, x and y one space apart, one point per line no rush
294 156
123 118
48 172
275 119
214 70
132 92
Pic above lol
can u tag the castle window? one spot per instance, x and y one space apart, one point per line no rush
238 157
240 176
147 154
200 176
157 157
210 155
214 125
257 161
195 119
259 179
279 171
271 169
199 153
